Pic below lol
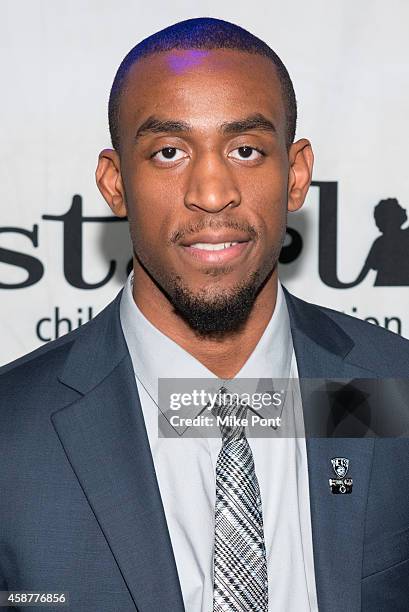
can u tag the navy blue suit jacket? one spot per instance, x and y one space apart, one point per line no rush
80 507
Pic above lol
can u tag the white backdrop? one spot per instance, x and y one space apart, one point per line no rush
348 62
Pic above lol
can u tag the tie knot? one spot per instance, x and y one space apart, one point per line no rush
229 412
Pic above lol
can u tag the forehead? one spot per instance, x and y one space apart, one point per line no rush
201 86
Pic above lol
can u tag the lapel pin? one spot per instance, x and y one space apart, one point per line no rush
341 484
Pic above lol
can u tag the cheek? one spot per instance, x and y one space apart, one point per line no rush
268 197
150 208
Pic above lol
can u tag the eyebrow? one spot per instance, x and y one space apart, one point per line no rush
155 125
252 122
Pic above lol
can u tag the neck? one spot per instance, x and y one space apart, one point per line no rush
224 355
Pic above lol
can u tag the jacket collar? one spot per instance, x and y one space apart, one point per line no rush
101 346
98 349
310 321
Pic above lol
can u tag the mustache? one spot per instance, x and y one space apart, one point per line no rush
216 224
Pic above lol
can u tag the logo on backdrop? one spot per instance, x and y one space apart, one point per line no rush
72 245
389 254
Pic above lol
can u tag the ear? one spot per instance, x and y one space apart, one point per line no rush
301 160
109 181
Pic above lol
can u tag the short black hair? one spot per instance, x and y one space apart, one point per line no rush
204 33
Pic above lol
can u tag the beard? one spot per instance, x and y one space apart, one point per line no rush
219 314
211 313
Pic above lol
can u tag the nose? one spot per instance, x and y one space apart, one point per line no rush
211 185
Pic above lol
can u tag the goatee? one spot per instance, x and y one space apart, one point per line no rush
220 314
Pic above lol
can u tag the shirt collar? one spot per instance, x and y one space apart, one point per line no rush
154 355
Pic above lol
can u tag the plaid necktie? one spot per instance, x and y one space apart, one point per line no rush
240 566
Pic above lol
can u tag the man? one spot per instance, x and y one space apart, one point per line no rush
94 502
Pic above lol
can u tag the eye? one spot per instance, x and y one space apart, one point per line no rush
168 154
247 153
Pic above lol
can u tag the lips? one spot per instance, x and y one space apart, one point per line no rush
216 253
209 246
216 238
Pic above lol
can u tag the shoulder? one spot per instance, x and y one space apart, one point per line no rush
363 331
48 355
33 378
29 385
378 348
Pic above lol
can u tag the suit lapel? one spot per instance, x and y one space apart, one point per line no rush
105 440
323 350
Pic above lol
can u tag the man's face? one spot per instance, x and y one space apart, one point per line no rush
203 164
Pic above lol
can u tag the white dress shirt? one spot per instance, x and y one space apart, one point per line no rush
185 468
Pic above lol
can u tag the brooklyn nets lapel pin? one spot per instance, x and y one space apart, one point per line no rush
341 484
